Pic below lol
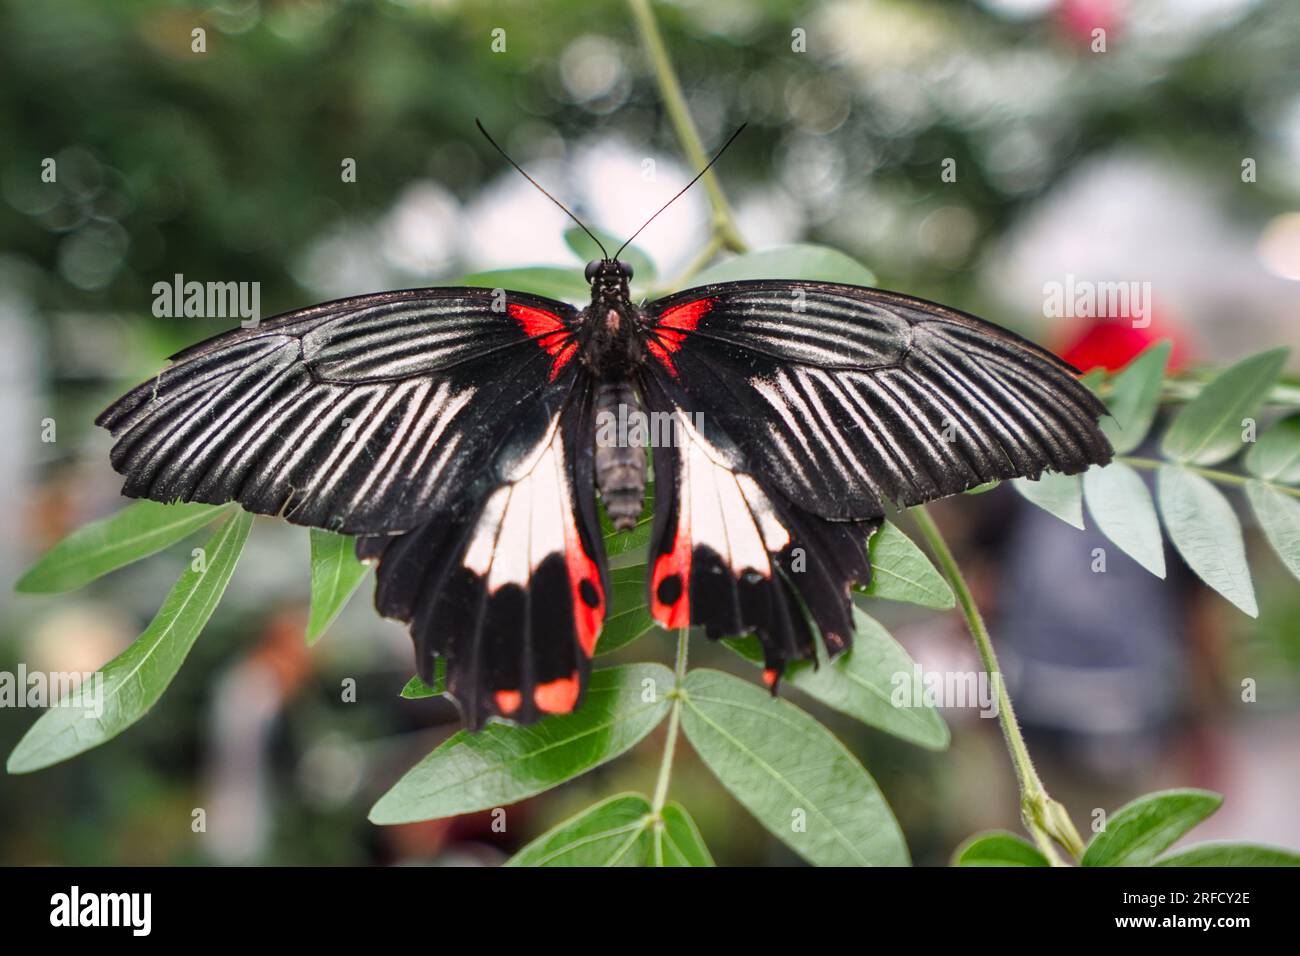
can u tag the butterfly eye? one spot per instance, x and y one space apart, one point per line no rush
593 269
626 269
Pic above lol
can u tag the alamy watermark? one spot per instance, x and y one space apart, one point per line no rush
133 911
75 689
631 427
1084 299
948 689
208 300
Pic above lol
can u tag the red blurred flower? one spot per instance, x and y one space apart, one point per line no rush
1112 343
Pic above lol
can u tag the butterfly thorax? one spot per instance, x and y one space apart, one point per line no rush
612 349
611 329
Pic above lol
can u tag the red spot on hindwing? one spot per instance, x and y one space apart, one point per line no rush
670 330
549 332
670 581
559 696
585 591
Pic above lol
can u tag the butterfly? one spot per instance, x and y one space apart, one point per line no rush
470 437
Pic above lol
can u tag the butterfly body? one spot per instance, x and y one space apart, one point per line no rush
462 445
611 328
612 331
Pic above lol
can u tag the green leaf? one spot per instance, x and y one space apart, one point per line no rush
1135 398
678 841
790 772
615 832
1059 495
630 618
619 831
631 543
567 285
135 532
900 571
1140 831
1208 428
1279 515
1276 455
335 575
998 849
1218 853
417 689
133 681
643 267
983 488
817 263
626 549
1094 378
871 683
1206 532
504 763
1121 506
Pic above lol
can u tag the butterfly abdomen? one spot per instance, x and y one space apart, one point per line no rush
620 453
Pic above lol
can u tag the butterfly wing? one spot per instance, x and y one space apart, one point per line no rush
731 552
817 405
362 415
511 593
446 427
846 398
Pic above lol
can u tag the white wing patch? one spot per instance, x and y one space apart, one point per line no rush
524 522
729 512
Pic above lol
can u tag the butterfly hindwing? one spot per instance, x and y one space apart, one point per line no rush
512 592
734 555
361 415
846 398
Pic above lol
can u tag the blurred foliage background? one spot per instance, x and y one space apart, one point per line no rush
225 165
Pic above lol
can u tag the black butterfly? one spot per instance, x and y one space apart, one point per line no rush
454 431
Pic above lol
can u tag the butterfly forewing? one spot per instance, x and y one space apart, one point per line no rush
847 398
362 416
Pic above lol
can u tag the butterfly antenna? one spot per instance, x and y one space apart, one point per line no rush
698 176
488 137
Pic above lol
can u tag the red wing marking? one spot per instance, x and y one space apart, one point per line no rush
557 697
670 330
585 590
670 583
680 319
508 701
549 331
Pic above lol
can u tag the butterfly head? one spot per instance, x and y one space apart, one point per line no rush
608 278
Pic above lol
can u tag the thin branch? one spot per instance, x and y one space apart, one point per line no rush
1223 477
1044 818
679 114
706 255
674 718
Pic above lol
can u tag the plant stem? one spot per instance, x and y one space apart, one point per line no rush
1044 818
674 718
1224 477
711 249
1183 388
679 114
